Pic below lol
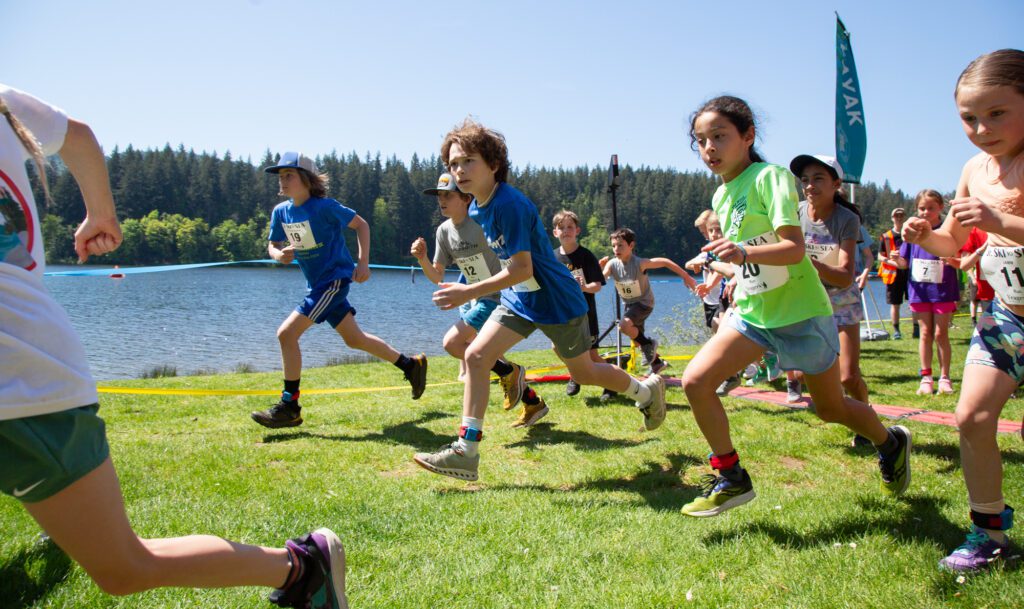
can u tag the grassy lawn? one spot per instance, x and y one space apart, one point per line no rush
581 510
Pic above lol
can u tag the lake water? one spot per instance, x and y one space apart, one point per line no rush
221 318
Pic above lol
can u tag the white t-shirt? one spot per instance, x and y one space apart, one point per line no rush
43 367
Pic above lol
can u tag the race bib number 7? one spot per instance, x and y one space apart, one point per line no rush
760 278
300 235
926 271
1004 269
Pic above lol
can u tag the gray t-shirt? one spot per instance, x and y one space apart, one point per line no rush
631 284
465 246
822 238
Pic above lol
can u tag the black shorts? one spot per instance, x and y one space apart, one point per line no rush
710 311
896 292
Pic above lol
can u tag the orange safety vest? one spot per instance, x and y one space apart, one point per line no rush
886 271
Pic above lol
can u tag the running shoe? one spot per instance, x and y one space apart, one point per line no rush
794 391
976 553
658 365
322 585
897 335
945 385
513 385
531 413
728 385
771 367
417 376
649 352
607 395
858 441
450 461
285 413
719 494
572 388
896 468
926 386
750 371
654 408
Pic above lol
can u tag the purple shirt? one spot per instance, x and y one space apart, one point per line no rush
947 291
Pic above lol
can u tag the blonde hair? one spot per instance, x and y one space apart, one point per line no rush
1002 68
30 143
708 216
565 214
930 193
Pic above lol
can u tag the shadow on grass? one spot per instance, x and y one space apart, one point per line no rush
657 484
409 433
917 518
545 434
32 574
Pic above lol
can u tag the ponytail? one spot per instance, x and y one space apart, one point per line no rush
29 142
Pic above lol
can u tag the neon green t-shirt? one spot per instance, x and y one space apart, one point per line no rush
751 208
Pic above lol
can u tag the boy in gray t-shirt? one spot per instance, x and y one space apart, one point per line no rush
460 240
629 273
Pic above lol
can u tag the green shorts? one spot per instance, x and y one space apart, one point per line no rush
570 339
42 455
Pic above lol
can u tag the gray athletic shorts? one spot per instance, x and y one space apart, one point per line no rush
569 339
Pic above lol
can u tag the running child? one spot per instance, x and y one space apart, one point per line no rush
779 304
536 293
831 228
584 267
990 197
981 292
934 293
629 272
309 227
54 455
894 278
461 241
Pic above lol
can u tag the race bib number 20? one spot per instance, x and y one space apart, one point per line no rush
760 278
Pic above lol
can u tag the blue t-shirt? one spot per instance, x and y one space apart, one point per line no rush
512 225
317 231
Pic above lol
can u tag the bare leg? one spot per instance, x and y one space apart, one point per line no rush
288 335
585 371
88 521
627 327
926 321
942 341
494 340
849 363
357 339
715 362
983 394
832 406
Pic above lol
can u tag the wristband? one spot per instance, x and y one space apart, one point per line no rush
744 250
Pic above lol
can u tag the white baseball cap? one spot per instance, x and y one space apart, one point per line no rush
798 164
293 160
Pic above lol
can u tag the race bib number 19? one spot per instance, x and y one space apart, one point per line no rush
300 235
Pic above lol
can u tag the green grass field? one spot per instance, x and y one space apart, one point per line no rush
581 510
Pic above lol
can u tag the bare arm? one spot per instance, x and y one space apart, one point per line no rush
520 269
433 271
362 270
789 249
281 251
100 232
950 237
840 276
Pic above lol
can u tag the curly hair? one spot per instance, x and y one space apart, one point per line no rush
472 137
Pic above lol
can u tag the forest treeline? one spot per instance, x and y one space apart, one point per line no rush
179 206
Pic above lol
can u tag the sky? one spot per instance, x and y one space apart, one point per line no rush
567 83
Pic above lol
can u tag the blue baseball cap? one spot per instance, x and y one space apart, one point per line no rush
292 160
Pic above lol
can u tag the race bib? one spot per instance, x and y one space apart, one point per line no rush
577 274
628 290
474 268
1004 269
300 235
530 285
926 271
760 278
825 253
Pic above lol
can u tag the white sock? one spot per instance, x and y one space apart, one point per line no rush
469 447
638 392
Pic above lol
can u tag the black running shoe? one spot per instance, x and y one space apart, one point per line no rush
417 377
572 388
283 414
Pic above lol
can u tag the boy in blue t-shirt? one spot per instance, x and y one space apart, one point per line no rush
310 228
536 292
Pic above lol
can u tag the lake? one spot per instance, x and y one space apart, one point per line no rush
224 318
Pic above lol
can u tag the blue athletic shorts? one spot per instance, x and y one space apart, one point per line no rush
810 346
998 341
327 302
476 314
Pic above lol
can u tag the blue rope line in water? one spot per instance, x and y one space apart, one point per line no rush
181 267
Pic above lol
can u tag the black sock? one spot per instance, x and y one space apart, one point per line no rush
642 340
734 473
404 363
530 397
501 368
292 388
890 446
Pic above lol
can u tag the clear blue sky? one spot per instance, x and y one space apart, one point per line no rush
568 83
